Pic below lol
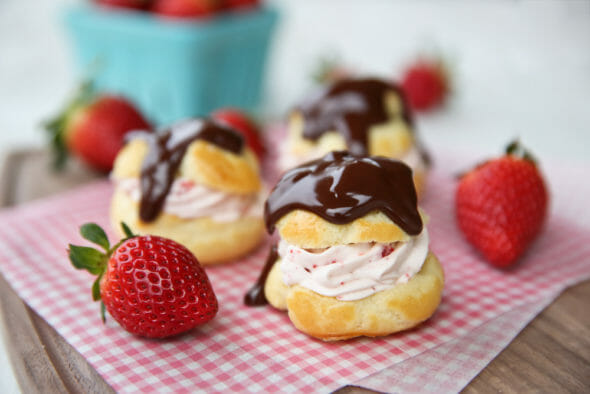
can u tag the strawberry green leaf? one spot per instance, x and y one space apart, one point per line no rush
94 233
127 230
103 312
529 156
513 147
57 126
96 289
83 257
516 149
329 69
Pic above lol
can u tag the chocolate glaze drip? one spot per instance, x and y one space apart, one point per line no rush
255 296
341 188
165 153
351 107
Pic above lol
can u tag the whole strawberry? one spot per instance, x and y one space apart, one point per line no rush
242 123
501 206
152 286
426 84
92 127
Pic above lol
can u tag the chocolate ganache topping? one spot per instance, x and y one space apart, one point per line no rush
165 153
350 107
255 296
341 188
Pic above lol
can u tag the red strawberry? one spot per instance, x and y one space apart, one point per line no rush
239 121
501 206
152 286
185 8
426 84
93 127
132 4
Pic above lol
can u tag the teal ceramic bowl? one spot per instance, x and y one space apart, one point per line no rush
174 69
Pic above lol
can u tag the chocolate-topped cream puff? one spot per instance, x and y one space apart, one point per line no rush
353 257
196 183
367 117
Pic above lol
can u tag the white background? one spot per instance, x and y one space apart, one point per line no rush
521 69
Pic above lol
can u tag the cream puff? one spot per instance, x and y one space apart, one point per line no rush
353 255
197 183
367 117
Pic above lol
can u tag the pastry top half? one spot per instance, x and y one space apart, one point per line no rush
344 199
363 116
198 150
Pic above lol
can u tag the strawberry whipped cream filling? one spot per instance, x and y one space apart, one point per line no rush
188 200
354 271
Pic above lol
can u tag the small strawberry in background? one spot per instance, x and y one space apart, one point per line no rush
501 206
426 83
239 121
152 286
92 127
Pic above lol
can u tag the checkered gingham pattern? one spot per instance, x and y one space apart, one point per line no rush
257 349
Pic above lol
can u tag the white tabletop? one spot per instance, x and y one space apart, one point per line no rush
521 69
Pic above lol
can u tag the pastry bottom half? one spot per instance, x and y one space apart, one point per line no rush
210 241
399 308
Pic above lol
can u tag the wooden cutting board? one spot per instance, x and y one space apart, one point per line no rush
552 354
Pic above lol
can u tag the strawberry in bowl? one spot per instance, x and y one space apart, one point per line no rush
152 286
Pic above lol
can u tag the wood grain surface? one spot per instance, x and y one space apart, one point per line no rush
552 354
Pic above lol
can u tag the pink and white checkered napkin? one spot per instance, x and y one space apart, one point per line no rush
257 349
